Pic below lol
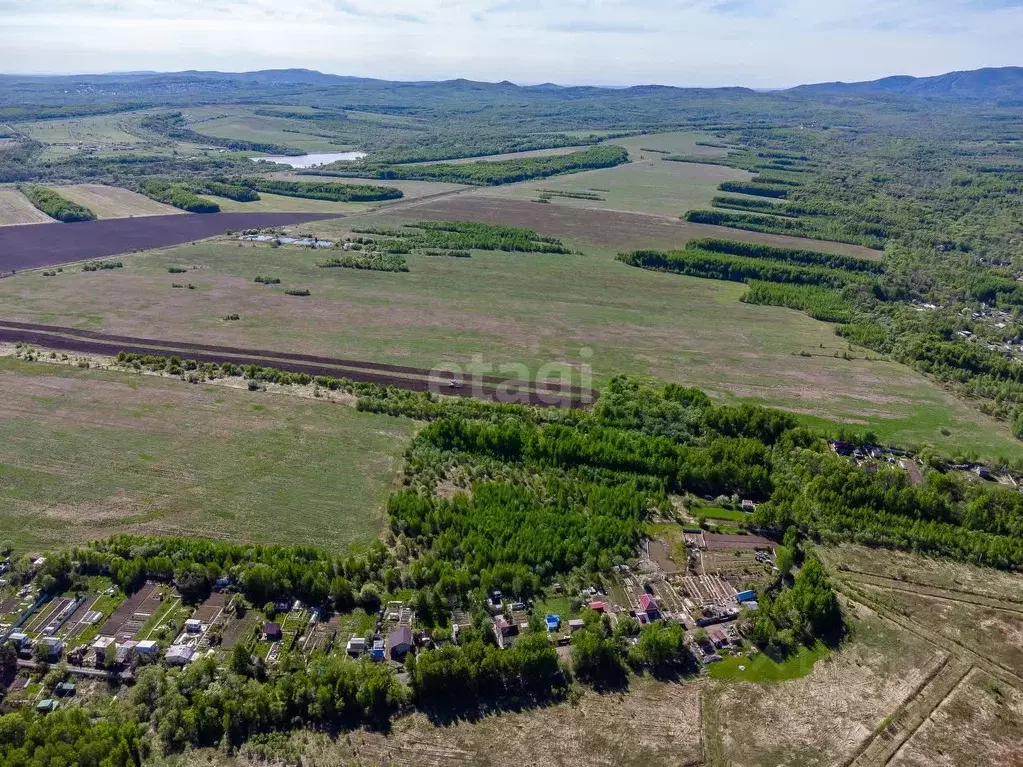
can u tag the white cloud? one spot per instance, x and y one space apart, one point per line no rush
681 42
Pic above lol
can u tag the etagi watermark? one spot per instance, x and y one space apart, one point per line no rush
563 383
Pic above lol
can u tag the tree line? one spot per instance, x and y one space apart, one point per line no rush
177 194
498 172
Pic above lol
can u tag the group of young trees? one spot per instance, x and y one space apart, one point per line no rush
55 206
178 194
470 235
854 233
320 190
373 261
694 262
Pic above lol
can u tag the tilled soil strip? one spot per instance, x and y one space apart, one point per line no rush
490 392
268 354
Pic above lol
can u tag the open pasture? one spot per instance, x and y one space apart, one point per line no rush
15 209
644 186
650 145
508 156
99 133
276 203
85 454
114 202
244 124
521 308
607 229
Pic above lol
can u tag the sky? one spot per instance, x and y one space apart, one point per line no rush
754 43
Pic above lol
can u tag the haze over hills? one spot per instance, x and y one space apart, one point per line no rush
1004 83
989 84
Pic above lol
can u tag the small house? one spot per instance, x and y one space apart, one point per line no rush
178 655
66 689
746 596
717 637
842 447
748 506
193 626
599 607
377 653
46 706
125 651
576 623
272 632
504 627
648 606
400 642
19 639
147 647
553 622
52 648
356 646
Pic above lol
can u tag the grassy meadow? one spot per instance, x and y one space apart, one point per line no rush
510 308
87 453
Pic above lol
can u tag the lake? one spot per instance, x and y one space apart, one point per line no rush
312 160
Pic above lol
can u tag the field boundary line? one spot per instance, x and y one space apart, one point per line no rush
906 715
845 570
962 680
992 667
928 591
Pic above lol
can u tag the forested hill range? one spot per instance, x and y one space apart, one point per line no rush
989 84
136 88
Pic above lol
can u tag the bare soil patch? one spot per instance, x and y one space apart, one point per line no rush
652 724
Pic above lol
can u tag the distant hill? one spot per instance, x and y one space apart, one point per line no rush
992 84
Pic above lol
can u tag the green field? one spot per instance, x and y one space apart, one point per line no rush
268 203
86 453
510 308
647 184
762 668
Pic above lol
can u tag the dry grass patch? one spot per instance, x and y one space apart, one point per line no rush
994 634
15 209
114 202
979 725
913 569
822 718
653 724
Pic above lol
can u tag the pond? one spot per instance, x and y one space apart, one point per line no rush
313 160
